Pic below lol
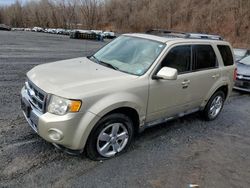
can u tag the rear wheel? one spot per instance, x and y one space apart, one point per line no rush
214 106
111 136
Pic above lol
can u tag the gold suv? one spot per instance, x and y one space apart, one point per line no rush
98 103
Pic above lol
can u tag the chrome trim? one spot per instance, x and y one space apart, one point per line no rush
36 96
33 120
243 77
31 124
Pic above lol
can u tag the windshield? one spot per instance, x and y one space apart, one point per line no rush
245 60
129 54
239 53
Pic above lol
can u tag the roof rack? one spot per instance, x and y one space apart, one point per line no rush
177 34
205 36
167 33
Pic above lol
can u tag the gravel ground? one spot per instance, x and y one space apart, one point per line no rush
184 151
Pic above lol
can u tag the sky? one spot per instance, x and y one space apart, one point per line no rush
9 2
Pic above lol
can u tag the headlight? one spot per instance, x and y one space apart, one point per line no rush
60 106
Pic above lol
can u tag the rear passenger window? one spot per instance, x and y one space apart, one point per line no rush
203 57
226 55
179 58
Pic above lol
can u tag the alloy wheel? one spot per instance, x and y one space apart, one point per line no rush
112 139
216 106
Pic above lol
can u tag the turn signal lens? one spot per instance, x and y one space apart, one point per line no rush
75 106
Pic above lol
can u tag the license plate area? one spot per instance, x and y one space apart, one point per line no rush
239 83
246 84
25 105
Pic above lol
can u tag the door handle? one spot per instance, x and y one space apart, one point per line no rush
185 84
216 76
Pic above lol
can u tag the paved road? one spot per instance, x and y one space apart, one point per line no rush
189 150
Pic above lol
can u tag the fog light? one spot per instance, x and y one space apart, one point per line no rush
55 135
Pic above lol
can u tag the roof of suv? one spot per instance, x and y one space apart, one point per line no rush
166 39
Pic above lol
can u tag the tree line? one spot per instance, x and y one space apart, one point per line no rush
229 18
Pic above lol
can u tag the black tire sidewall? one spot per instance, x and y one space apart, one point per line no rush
207 108
91 145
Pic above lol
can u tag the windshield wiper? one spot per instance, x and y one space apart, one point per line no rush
109 65
104 63
95 59
241 63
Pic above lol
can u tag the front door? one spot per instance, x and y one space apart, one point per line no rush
169 97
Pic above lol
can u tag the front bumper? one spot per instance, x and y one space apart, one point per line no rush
70 130
242 85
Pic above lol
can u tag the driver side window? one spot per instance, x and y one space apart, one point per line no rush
179 58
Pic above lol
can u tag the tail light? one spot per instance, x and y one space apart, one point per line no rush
235 74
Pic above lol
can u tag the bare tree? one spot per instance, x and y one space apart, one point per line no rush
242 11
89 11
15 15
226 17
1 15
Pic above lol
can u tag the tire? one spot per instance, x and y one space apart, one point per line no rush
111 136
214 106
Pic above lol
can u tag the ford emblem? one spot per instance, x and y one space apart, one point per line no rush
31 92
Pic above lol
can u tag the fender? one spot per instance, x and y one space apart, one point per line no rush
117 100
106 105
223 81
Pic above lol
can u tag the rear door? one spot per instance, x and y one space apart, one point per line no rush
198 72
205 73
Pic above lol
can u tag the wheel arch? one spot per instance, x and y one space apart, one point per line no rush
121 112
225 88
128 110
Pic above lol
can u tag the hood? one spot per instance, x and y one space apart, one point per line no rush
243 69
71 78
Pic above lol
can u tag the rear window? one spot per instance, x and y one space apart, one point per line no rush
226 55
203 57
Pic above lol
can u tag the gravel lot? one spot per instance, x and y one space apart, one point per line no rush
188 150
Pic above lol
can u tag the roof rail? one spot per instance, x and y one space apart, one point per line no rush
204 36
177 34
167 33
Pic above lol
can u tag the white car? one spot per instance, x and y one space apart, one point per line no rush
109 34
27 29
60 31
37 29
241 53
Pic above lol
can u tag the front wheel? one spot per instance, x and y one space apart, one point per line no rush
214 106
111 136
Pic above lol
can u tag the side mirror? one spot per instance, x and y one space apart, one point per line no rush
167 73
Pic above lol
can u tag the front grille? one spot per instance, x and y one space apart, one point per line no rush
243 77
37 97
